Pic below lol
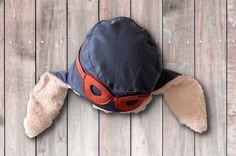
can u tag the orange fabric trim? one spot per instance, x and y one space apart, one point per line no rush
121 103
102 99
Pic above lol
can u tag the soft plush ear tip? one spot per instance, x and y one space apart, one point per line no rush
46 100
30 131
201 125
185 99
198 124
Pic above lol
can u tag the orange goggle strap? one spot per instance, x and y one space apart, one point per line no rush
122 103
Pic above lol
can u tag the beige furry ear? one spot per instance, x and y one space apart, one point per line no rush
44 104
185 99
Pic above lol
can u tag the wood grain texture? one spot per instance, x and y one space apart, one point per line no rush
231 27
210 58
19 74
83 132
2 78
51 50
114 8
147 125
178 55
114 128
91 133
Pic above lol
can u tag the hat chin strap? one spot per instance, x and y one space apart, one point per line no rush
46 100
185 99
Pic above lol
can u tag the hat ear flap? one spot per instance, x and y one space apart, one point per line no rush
185 99
46 100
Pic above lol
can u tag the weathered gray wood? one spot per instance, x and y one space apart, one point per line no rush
114 8
82 118
1 78
147 125
178 55
51 55
20 73
210 59
231 27
83 121
114 128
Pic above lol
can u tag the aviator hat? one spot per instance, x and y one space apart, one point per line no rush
118 68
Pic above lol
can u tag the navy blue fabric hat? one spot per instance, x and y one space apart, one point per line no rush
122 64
118 68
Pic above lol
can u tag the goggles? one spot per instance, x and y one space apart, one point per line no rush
125 103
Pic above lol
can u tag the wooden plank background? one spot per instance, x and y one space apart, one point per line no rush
51 55
210 70
231 81
2 78
195 38
19 73
178 55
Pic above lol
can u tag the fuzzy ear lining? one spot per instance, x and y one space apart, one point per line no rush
185 99
44 104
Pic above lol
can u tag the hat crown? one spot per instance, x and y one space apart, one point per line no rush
122 55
